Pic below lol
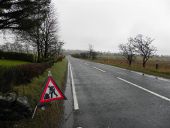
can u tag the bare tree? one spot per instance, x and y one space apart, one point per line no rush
90 50
6 47
43 37
12 47
128 51
92 53
143 47
49 30
17 47
58 48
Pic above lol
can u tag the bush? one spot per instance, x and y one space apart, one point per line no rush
22 74
60 58
16 56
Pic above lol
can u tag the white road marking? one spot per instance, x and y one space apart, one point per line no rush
76 106
99 69
152 76
136 72
163 79
68 70
144 89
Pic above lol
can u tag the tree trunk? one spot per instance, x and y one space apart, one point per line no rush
38 51
130 63
144 64
45 49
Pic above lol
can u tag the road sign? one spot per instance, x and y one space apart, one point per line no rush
51 92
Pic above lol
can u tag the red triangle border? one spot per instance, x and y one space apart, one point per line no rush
42 100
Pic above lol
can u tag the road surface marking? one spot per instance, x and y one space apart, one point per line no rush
144 89
76 106
99 69
68 71
163 79
152 76
136 72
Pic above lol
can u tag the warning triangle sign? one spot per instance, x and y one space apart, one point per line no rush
51 92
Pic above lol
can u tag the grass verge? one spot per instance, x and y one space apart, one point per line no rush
49 118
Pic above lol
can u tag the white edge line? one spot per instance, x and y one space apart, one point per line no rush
99 69
163 79
68 71
136 72
144 89
148 75
76 106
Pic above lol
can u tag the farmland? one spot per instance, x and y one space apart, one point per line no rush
162 71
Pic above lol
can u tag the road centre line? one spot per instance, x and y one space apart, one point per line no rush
76 106
99 69
144 89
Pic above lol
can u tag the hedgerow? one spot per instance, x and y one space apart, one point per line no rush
22 74
17 56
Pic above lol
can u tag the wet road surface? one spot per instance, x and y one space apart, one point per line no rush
111 97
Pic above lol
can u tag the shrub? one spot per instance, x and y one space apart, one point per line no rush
5 79
22 74
17 56
60 58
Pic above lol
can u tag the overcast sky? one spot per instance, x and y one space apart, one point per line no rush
107 23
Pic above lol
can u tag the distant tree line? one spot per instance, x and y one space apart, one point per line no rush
35 25
139 45
90 54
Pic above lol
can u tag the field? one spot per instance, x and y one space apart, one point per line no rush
163 65
51 116
11 62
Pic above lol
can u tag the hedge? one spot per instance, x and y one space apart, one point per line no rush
22 74
17 56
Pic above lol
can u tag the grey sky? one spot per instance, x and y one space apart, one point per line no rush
107 23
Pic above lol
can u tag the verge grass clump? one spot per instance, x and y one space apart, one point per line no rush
21 74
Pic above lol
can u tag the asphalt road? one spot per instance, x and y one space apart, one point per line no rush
110 97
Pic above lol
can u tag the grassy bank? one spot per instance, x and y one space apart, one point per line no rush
162 71
49 118
11 62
